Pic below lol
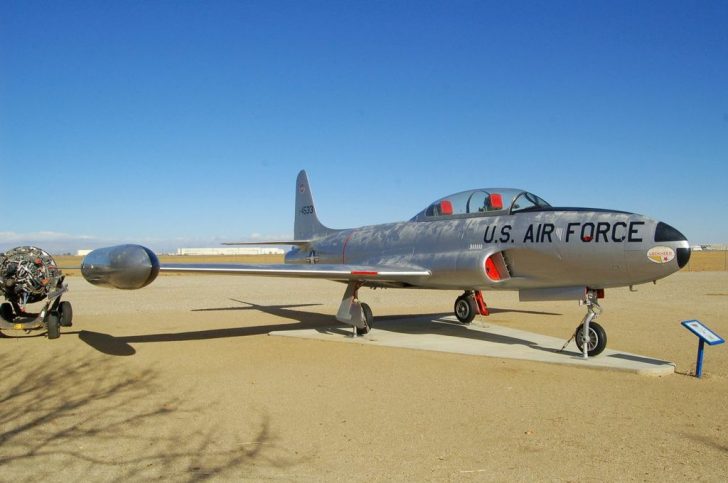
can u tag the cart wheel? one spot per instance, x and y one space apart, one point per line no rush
65 313
53 325
6 311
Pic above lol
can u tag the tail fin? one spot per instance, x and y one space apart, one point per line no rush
306 225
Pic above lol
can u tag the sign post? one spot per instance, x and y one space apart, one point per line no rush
704 335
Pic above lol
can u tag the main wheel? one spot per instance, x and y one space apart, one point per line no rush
465 308
6 311
368 318
53 325
597 339
65 313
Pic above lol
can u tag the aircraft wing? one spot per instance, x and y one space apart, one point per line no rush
134 266
323 271
297 243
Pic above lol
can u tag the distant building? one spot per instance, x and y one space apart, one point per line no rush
82 253
231 251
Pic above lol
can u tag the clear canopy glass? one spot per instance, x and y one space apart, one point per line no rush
483 202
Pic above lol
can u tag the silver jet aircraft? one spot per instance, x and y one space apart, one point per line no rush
482 239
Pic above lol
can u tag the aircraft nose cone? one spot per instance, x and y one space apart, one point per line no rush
666 233
683 256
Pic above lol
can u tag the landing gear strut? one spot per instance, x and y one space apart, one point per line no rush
591 338
353 312
470 304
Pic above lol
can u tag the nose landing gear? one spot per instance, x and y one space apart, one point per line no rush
590 337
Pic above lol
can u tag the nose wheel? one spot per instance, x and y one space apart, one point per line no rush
596 341
590 337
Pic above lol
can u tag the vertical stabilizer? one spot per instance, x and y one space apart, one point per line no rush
306 225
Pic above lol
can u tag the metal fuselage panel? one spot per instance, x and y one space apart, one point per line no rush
596 249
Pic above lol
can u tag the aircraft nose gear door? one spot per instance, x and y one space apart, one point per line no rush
354 313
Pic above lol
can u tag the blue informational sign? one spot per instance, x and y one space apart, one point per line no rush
705 335
699 329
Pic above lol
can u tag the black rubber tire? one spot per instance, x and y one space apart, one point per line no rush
368 317
597 339
65 314
6 312
53 325
465 308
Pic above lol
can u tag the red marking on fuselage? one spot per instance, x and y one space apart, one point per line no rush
363 272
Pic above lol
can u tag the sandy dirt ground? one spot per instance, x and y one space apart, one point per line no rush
180 381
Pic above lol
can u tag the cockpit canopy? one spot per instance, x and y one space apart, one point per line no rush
482 202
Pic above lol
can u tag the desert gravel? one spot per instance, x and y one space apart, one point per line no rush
180 381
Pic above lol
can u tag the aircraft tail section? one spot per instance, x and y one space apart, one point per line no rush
306 225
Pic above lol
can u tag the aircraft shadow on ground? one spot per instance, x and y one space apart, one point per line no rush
517 311
643 360
121 345
323 322
433 324
429 324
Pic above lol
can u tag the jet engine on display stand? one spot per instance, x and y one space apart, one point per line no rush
31 280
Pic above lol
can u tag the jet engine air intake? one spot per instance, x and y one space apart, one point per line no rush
496 268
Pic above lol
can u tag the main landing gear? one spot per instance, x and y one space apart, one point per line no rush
359 315
470 304
353 312
591 338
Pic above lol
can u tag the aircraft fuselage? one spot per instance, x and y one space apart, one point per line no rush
538 249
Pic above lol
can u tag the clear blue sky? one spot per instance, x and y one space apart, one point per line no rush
185 123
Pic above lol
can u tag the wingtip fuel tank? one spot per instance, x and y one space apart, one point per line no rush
126 267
